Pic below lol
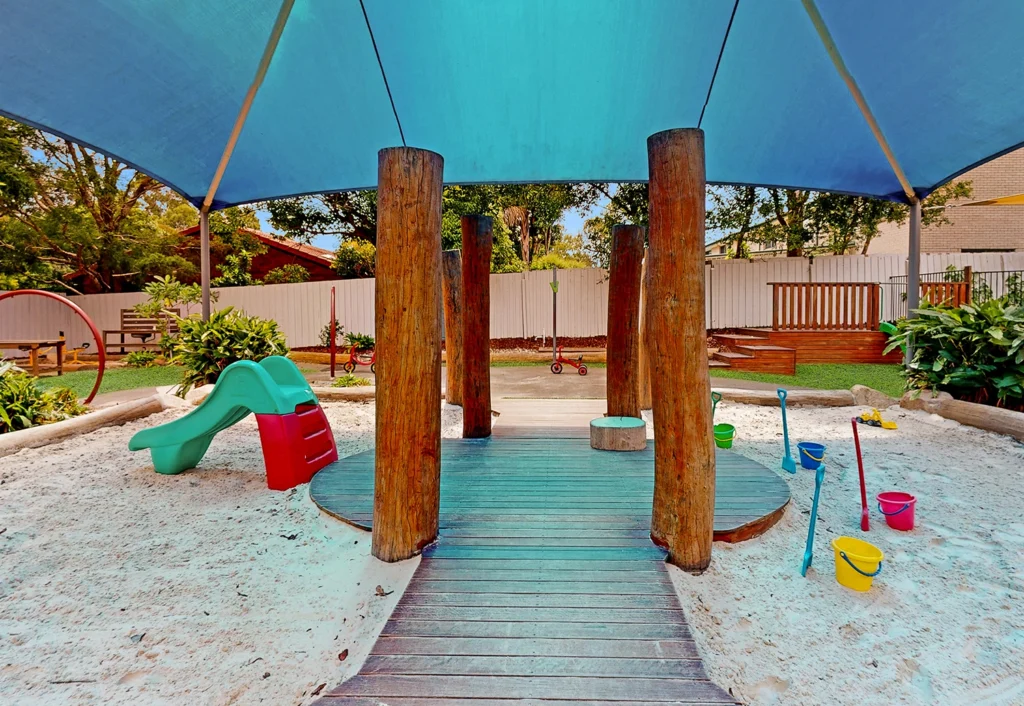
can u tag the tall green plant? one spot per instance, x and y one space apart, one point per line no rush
974 352
205 348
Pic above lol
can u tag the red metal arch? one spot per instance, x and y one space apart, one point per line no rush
85 317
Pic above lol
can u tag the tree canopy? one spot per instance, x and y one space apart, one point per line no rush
526 217
813 222
799 221
74 220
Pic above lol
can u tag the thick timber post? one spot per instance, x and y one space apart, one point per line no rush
624 321
451 279
477 242
684 459
408 315
644 366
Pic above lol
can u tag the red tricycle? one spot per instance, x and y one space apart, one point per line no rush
360 357
577 363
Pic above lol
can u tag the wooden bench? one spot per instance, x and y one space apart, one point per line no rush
145 329
37 348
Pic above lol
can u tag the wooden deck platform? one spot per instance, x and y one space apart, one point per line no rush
531 479
544 586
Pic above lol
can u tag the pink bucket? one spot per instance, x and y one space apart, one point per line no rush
898 509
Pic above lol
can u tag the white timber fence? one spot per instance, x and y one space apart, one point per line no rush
737 295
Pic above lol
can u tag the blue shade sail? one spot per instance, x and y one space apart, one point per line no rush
519 90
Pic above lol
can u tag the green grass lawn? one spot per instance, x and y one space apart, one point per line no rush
115 379
829 376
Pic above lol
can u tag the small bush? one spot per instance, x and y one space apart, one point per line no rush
24 405
205 348
349 380
325 334
287 274
355 258
362 341
976 353
140 359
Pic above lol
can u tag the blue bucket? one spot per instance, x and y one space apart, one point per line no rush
812 455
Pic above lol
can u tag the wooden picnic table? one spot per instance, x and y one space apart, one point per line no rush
33 346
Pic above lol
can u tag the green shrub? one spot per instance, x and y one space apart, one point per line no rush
349 380
362 341
325 334
555 260
287 274
24 405
140 359
205 348
975 353
355 258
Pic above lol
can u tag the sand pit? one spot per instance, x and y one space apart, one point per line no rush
122 586
944 623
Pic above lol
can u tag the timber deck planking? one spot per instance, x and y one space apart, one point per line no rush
543 586
524 487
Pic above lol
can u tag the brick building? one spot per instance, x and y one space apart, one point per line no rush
280 251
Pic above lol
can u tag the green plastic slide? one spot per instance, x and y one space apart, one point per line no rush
272 386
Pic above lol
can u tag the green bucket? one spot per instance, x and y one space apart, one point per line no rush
724 434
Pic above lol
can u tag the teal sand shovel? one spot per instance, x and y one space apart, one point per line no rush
819 477
716 397
788 462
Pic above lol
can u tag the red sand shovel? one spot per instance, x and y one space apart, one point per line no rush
864 525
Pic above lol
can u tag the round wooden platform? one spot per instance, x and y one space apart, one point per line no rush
556 485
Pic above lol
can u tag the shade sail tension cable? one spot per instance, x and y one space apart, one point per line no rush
858 97
250 95
714 74
383 75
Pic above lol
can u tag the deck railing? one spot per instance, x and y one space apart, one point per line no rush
835 306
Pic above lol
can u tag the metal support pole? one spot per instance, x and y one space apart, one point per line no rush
204 260
334 333
914 268
554 314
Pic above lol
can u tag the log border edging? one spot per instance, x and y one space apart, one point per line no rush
46 434
972 414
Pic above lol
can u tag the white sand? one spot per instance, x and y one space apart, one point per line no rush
186 589
99 550
944 622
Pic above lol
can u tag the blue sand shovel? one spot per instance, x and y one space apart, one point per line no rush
788 462
819 477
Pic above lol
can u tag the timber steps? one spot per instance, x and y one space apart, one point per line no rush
754 352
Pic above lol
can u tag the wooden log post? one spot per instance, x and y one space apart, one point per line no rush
623 380
406 499
477 242
644 366
451 281
684 458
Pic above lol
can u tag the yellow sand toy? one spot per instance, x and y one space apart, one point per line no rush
874 419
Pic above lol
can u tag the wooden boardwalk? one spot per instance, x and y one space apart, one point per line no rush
544 586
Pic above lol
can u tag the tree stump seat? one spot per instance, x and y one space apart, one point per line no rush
618 434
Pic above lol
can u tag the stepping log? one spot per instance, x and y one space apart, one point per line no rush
618 434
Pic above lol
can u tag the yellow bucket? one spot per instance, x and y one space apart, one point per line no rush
857 562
